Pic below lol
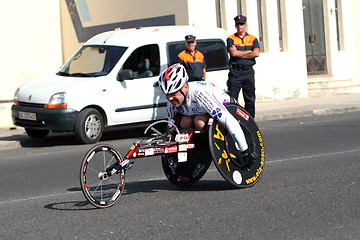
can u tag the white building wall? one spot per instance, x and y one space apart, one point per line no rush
251 17
278 74
30 44
202 13
282 74
230 11
356 29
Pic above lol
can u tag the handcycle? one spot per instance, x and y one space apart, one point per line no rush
185 157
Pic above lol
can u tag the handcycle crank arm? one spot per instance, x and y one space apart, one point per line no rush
156 131
161 121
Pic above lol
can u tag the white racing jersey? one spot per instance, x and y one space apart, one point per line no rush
204 97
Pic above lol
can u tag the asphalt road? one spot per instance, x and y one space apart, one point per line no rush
309 190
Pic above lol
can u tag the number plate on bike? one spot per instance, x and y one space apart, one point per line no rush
27 116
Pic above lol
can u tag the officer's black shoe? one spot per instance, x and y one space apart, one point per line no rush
249 157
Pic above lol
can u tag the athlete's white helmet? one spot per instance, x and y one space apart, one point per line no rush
173 78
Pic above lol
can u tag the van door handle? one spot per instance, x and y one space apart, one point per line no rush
156 84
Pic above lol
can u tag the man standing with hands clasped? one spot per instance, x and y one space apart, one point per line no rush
193 60
243 49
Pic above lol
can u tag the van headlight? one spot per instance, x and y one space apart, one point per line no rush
16 102
58 100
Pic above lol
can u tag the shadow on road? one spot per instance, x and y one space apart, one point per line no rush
143 187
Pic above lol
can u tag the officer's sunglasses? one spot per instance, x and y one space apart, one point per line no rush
240 24
190 42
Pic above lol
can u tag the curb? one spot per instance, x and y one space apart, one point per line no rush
9 145
10 137
308 113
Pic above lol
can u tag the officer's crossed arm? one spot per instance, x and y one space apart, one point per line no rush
234 52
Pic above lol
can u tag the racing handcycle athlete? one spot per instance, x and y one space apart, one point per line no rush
212 127
196 100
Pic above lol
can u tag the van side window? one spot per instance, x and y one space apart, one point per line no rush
144 61
214 51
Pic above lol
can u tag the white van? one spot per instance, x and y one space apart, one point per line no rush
112 80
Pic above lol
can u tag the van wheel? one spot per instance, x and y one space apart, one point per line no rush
36 133
89 126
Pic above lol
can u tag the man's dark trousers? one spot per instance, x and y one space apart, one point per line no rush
243 79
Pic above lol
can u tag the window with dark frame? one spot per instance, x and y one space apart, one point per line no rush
281 40
337 11
240 8
214 50
218 13
150 52
260 21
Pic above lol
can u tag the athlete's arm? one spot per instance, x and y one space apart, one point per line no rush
234 128
214 106
171 112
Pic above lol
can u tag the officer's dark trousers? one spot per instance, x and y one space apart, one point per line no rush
243 79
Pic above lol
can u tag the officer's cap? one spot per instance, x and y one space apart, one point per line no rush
240 19
190 38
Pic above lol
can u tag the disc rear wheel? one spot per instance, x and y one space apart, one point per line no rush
228 158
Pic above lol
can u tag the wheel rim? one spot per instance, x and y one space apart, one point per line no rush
92 126
101 189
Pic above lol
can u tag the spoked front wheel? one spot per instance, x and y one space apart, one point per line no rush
102 178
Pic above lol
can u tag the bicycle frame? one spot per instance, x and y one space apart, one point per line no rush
152 147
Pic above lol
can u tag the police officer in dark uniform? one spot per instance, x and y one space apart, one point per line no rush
243 49
193 60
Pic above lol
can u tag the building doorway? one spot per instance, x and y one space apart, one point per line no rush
314 37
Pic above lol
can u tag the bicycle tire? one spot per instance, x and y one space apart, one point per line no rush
185 174
228 159
100 190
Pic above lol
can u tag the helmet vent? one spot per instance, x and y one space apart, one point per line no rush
177 84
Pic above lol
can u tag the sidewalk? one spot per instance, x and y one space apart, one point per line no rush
302 107
11 137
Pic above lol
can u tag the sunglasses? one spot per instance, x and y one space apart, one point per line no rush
190 42
240 24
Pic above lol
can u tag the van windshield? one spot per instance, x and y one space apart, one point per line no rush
92 61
